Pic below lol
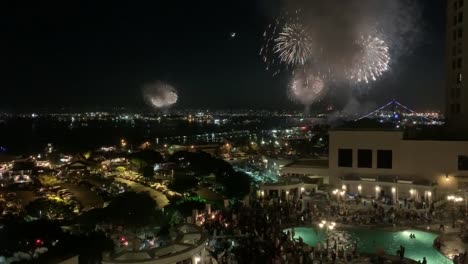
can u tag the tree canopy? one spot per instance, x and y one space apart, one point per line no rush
133 210
50 209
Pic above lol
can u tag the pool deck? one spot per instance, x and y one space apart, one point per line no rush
365 258
452 244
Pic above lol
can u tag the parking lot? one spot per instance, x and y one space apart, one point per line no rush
85 196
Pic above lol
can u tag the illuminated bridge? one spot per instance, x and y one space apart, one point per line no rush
399 114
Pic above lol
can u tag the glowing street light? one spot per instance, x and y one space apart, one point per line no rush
327 225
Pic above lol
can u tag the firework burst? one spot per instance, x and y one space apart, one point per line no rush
372 60
275 38
293 44
306 88
160 94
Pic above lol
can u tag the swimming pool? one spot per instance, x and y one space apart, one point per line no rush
369 239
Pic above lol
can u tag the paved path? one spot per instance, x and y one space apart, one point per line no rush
159 197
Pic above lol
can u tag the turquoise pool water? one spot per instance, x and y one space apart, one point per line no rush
369 239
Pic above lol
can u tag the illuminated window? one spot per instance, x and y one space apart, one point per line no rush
459 77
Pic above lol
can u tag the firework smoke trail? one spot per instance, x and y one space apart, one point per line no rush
160 94
372 61
293 45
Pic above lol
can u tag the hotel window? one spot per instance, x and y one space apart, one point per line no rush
461 3
364 158
345 158
454 20
454 35
458 93
457 108
454 51
459 77
460 17
459 62
463 162
452 108
460 32
454 64
455 5
384 159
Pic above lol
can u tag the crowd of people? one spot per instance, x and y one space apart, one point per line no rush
255 233
375 212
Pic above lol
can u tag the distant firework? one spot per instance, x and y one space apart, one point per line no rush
293 45
273 36
372 60
160 94
306 88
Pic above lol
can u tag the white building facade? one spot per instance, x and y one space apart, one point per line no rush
374 163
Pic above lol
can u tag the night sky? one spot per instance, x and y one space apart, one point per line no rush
95 54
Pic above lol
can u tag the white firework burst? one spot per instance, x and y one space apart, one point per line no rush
293 44
160 94
306 88
372 60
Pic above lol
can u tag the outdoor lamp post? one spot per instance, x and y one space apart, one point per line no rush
394 197
336 192
456 200
327 226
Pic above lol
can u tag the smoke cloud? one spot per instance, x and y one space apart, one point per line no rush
336 26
